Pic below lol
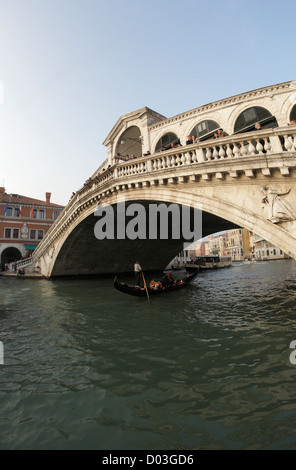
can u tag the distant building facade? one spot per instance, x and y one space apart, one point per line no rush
24 221
238 244
262 250
217 245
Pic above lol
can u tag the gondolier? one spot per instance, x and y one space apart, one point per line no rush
138 273
153 288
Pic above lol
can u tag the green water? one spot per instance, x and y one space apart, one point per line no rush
87 367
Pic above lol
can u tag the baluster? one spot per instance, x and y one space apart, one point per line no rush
222 152
267 145
259 146
229 151
194 157
235 151
215 154
251 148
173 160
188 157
178 160
288 143
244 149
154 166
209 153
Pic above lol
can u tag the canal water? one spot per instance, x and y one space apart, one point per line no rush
87 367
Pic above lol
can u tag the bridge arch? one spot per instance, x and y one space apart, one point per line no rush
79 252
129 142
10 254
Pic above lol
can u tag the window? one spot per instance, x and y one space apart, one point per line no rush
16 212
41 214
205 129
34 213
16 232
7 233
40 234
8 212
32 234
248 118
166 141
293 113
55 215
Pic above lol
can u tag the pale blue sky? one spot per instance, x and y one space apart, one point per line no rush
70 68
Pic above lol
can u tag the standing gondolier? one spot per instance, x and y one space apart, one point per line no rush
138 272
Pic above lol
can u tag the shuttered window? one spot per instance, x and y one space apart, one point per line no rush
205 129
248 118
166 140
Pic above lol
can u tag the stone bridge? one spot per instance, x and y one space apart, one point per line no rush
246 178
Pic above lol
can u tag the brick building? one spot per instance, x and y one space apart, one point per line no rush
24 222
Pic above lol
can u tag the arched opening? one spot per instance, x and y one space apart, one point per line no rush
247 119
167 141
205 130
293 114
129 144
10 255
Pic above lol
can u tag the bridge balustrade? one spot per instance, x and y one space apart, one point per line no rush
271 141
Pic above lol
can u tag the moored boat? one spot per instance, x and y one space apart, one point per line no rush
157 288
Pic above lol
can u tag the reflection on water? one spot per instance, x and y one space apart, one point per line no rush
207 367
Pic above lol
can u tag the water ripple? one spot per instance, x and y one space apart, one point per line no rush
87 367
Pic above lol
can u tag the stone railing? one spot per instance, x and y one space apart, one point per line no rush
265 142
26 264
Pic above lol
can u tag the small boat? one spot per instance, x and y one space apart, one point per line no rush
141 291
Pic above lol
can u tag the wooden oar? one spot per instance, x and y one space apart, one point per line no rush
145 285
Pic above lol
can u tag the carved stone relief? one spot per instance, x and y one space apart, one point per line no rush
275 208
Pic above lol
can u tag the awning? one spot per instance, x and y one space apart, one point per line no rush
30 247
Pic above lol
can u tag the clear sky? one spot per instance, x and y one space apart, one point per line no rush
70 68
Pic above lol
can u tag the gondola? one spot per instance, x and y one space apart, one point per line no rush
141 291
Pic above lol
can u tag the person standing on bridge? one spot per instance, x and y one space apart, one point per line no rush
138 273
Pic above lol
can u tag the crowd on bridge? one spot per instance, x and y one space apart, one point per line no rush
191 139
